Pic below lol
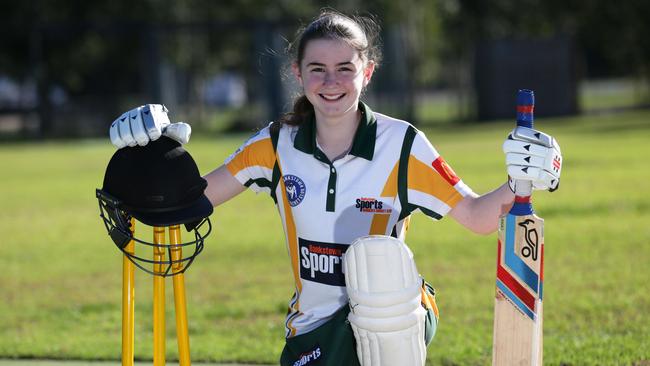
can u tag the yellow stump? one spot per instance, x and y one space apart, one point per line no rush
128 302
159 298
179 297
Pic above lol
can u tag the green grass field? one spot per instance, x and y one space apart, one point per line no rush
61 276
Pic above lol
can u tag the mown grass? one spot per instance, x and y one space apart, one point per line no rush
61 276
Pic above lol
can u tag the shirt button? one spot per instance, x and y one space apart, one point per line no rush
333 170
331 191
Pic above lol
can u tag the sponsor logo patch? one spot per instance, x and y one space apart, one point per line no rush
309 357
295 189
322 262
445 171
557 163
373 205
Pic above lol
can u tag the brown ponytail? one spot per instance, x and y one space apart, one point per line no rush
302 110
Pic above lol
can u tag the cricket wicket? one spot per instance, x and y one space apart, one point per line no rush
128 299
128 303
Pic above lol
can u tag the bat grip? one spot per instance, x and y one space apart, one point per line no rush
525 117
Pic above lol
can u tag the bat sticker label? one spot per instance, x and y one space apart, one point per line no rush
532 238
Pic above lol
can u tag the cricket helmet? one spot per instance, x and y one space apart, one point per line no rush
159 185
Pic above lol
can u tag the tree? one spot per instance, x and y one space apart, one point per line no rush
612 35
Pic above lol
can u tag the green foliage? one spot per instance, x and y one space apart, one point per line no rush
104 46
61 276
596 25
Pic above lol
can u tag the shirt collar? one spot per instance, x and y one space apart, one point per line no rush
363 144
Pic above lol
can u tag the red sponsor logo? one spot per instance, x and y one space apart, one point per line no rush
445 171
325 250
557 163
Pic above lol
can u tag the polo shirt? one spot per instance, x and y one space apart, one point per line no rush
391 171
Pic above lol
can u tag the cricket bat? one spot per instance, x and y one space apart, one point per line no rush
518 316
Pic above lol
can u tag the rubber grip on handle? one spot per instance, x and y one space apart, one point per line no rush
525 109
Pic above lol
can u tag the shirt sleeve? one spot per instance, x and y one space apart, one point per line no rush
252 163
433 186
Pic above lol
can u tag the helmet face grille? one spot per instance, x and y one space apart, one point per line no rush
159 185
158 259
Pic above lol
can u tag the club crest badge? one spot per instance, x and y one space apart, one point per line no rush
295 189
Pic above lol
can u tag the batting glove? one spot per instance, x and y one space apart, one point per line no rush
533 156
146 123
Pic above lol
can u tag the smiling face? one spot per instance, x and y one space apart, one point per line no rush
333 76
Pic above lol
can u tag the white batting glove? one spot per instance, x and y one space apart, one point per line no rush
146 123
533 156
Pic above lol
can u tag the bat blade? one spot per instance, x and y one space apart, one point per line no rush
518 313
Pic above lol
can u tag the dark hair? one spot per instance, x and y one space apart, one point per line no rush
360 32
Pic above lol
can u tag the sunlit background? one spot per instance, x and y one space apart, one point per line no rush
68 68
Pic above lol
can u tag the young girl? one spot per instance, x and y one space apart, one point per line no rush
337 171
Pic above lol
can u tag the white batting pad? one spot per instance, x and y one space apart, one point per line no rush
385 295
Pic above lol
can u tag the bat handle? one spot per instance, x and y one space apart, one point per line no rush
525 108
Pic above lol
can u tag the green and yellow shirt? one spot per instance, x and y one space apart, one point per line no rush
391 171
